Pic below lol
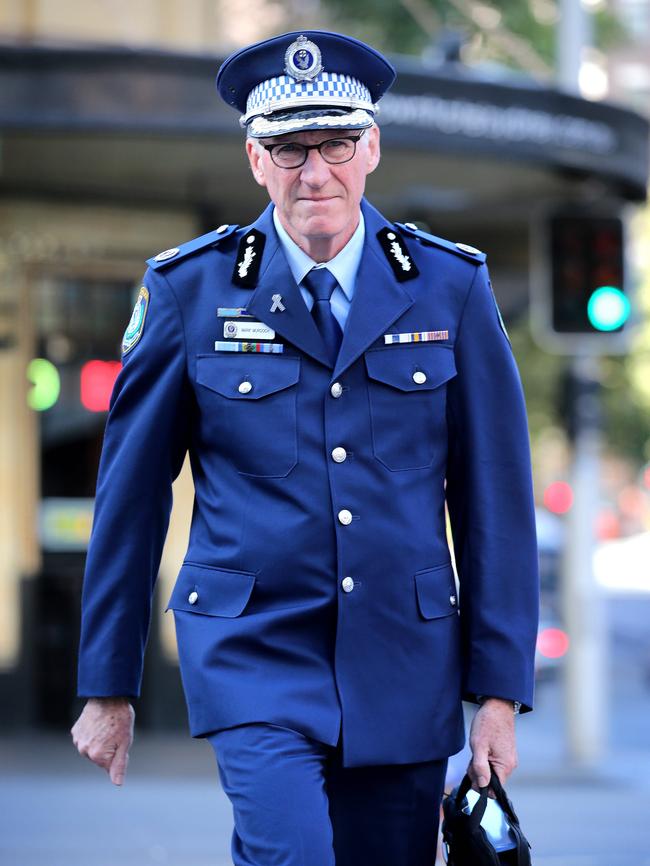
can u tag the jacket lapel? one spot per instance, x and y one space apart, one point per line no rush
378 298
294 323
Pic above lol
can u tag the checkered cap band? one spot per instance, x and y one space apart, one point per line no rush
327 89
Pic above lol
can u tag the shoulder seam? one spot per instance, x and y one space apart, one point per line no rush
177 254
477 257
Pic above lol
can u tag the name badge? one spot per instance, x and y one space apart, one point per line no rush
248 331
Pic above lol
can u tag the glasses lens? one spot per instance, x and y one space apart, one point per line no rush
289 155
337 149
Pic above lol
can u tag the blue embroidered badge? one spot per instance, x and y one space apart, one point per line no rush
136 324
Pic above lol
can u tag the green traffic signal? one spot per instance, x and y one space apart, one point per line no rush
608 308
46 384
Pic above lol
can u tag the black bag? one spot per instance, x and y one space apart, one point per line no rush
465 841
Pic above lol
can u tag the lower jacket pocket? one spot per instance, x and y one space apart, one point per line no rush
211 590
436 591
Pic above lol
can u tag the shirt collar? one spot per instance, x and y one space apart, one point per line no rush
344 265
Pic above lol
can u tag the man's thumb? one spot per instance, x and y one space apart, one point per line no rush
119 763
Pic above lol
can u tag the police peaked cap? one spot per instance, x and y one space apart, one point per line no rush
307 79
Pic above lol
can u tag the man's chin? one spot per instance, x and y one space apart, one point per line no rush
320 227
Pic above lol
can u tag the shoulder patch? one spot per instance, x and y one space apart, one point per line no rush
177 254
398 255
249 259
465 251
136 323
500 317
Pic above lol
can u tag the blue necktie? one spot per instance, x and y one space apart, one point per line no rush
321 283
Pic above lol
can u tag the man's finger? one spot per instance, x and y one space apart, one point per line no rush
480 768
117 769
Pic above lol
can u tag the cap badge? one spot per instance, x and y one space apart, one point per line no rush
302 60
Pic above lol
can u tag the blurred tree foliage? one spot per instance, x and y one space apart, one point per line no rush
412 26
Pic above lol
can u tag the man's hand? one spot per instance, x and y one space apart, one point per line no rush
492 740
104 733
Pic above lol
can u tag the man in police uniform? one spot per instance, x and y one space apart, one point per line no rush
336 379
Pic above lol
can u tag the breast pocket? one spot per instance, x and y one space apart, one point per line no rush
250 407
407 394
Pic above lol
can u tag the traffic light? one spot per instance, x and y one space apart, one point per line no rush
45 384
582 304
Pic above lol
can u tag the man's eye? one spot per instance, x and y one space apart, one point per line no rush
289 149
335 145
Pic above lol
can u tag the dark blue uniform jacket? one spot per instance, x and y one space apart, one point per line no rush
266 630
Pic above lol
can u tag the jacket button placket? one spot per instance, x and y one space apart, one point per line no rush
339 454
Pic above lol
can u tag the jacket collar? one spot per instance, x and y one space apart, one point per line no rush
378 298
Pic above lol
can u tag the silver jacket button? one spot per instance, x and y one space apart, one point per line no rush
166 254
452 599
193 597
348 584
336 389
339 455
419 377
245 388
466 248
345 516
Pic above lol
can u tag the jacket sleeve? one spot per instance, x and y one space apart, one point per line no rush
145 442
491 506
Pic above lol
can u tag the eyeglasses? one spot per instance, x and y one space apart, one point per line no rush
291 154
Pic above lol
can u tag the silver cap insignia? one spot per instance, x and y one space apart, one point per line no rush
302 60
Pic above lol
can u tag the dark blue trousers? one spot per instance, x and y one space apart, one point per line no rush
294 804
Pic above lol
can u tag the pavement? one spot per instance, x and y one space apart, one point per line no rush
56 809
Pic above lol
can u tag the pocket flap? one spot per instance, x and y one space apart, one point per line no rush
266 373
395 365
210 590
436 591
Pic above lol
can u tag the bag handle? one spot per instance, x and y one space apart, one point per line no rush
476 815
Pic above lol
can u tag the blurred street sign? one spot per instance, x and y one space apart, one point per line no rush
64 523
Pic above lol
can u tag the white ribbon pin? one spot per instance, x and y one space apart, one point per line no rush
277 303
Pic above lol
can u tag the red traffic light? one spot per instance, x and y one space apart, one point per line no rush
552 643
558 497
96 384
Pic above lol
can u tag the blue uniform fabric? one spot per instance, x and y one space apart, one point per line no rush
272 636
294 804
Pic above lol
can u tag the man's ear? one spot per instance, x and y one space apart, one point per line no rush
255 153
373 151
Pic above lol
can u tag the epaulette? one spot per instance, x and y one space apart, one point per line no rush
465 251
177 254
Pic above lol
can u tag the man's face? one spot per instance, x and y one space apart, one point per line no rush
317 201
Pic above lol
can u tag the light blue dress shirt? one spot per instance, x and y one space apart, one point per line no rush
344 266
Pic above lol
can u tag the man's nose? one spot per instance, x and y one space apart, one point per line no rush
315 171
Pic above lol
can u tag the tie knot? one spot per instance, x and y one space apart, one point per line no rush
321 282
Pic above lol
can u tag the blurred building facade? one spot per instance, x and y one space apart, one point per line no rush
115 146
